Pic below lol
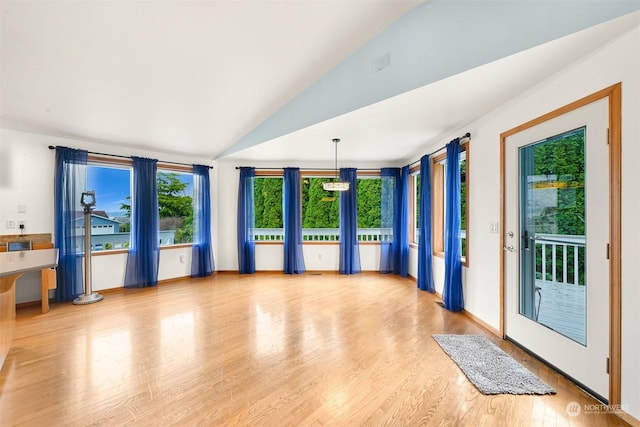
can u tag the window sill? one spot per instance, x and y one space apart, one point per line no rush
463 260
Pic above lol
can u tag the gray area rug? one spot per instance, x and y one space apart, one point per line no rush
489 368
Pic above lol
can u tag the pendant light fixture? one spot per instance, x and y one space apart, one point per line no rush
336 185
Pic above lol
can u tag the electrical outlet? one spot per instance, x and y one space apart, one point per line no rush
21 224
11 224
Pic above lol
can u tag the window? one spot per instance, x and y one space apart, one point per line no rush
110 225
268 217
175 206
438 205
111 219
414 198
320 211
369 207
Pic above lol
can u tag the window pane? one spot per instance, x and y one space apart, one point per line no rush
175 204
369 206
320 211
267 196
416 207
110 220
463 202
438 202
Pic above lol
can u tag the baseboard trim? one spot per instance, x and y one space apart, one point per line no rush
482 323
477 320
624 416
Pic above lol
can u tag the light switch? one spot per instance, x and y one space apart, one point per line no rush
493 227
22 208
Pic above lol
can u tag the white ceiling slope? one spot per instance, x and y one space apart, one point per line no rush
187 77
433 41
244 78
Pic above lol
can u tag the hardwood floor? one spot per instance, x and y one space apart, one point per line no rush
265 349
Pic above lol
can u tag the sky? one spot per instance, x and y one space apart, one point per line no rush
112 186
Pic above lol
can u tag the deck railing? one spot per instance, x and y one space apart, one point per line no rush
322 234
551 245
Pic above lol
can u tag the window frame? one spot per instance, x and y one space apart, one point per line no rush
99 161
368 175
414 204
262 173
438 191
163 167
310 173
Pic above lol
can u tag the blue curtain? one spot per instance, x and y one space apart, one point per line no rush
349 249
425 266
293 256
245 225
402 221
452 292
144 251
389 202
69 183
201 253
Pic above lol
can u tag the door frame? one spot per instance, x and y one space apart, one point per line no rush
614 94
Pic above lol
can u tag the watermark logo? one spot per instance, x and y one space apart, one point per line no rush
573 409
601 408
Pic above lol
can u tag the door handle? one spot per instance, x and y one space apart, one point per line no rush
525 240
509 248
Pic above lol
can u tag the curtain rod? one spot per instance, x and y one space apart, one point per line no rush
309 169
466 136
52 147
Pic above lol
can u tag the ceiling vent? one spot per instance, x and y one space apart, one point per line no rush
381 62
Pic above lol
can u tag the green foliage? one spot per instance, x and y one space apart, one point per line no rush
562 162
316 212
267 193
175 206
369 204
172 200
126 207
564 159
184 234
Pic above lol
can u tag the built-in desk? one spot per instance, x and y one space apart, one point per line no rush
12 266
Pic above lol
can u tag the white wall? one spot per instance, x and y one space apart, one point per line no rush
619 61
26 177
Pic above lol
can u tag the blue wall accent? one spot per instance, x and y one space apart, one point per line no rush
431 42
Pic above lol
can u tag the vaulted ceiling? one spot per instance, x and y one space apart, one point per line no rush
276 80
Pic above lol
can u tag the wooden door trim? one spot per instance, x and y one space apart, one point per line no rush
614 94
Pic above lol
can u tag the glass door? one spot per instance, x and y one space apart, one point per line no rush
557 235
552 232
